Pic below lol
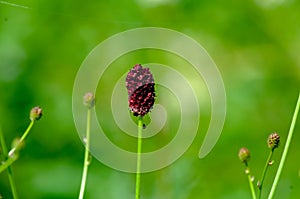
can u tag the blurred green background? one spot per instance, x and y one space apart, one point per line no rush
255 45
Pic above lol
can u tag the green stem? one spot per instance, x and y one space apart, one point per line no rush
260 185
27 131
286 148
9 169
86 155
9 161
250 181
138 162
11 152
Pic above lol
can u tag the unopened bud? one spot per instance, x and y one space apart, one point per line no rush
89 100
273 141
36 113
244 154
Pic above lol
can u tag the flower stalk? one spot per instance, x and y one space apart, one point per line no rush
261 182
12 155
89 102
244 156
8 166
286 148
35 114
86 156
141 96
273 143
138 161
250 180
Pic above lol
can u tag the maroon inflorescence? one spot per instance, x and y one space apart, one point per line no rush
141 92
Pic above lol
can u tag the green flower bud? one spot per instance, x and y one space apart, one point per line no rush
244 154
273 141
89 100
36 113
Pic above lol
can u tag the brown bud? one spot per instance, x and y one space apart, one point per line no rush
273 141
36 113
89 100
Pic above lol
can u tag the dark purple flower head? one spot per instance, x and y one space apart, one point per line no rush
140 87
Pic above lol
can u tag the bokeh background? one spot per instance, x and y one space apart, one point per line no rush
255 45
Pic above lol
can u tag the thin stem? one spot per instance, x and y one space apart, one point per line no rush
286 148
27 131
138 161
260 185
12 182
247 171
86 155
9 161
11 152
9 169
